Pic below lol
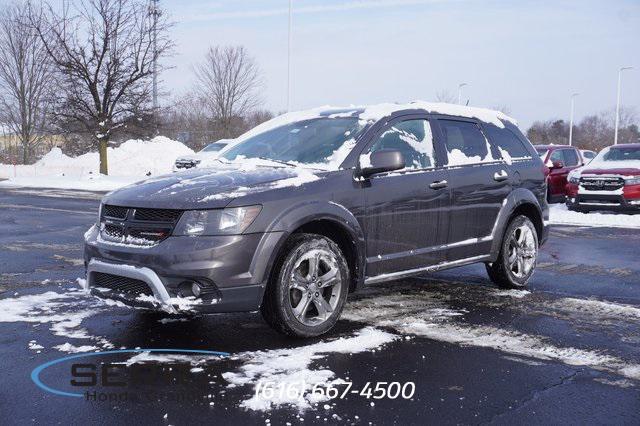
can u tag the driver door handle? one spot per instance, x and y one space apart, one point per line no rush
500 176
438 184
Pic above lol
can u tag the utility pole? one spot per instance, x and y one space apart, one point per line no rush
460 86
573 96
615 137
289 59
155 13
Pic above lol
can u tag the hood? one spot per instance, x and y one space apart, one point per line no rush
206 187
600 170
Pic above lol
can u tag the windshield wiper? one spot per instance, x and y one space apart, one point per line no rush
278 161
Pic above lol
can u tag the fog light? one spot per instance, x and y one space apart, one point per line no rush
195 289
189 289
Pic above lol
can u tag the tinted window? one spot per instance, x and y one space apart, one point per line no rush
465 142
588 155
413 138
505 140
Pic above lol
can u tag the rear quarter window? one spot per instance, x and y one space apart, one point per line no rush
507 143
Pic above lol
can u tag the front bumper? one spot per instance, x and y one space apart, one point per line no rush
602 202
232 269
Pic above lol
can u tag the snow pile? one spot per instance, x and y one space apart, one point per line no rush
289 368
133 160
559 214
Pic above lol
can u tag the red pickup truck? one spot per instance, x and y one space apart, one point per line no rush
611 181
560 159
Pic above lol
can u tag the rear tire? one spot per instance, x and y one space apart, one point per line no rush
308 288
518 253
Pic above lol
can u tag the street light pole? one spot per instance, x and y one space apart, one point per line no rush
289 59
615 136
573 97
460 86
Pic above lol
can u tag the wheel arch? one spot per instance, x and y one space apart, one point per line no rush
330 220
519 202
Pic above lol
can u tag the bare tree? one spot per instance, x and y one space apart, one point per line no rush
228 80
446 96
25 79
104 52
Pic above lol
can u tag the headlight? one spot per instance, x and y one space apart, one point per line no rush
574 180
216 222
632 181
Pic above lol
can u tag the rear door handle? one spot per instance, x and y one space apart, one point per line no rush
438 184
500 176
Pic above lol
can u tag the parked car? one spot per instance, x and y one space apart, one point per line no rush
611 181
314 205
560 159
209 152
588 155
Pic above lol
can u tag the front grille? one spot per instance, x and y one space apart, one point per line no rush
137 226
157 215
113 231
186 164
120 284
150 234
115 212
601 183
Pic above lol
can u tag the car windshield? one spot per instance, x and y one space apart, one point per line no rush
214 147
542 152
321 143
619 154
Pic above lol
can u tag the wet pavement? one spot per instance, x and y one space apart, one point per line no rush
567 350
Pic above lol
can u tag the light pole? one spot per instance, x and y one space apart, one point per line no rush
460 86
573 97
155 12
615 137
289 59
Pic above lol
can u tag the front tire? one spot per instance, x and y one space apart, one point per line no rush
308 289
518 253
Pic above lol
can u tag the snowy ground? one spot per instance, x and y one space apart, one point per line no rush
132 161
560 215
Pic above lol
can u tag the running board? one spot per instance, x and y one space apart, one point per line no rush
433 268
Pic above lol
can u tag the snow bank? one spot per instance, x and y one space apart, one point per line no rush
559 214
133 160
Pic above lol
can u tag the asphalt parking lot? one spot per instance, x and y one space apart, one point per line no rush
566 351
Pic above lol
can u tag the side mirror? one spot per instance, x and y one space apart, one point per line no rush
385 160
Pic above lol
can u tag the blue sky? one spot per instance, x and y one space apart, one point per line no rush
527 55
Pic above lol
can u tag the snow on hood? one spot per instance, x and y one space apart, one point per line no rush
208 187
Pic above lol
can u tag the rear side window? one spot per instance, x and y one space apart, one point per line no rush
411 137
507 143
465 143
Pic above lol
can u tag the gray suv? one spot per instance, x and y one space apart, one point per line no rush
310 206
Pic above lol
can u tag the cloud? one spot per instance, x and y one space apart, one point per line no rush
346 6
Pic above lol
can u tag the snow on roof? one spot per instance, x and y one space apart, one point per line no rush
379 111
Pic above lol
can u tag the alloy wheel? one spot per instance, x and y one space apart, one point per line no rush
314 286
522 251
